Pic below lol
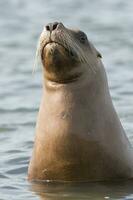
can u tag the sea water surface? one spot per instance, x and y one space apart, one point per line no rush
109 25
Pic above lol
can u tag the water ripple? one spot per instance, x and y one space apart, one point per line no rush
20 170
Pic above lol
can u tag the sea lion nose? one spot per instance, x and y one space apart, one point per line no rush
51 26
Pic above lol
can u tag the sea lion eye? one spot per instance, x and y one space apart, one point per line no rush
82 37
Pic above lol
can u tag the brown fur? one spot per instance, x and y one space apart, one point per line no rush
78 134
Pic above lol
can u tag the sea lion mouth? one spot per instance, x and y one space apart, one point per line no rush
70 52
54 42
48 43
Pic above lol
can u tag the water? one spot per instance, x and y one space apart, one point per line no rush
108 24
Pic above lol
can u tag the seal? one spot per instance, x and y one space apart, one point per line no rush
79 136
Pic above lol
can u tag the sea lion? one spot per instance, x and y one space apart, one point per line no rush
79 136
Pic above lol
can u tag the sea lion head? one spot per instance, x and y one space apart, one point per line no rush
66 54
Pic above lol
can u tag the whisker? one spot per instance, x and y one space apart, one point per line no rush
80 54
37 58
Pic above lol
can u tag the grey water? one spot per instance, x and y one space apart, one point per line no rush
109 25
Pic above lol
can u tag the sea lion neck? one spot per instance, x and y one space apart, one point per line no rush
74 81
77 90
96 82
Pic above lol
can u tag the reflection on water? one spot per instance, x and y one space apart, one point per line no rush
109 25
72 191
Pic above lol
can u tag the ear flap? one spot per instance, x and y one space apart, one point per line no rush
99 54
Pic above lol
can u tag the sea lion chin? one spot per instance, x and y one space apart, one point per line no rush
79 136
56 58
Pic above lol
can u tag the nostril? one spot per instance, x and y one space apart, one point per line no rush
51 26
48 28
55 24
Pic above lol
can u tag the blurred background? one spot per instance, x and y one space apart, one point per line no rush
109 26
